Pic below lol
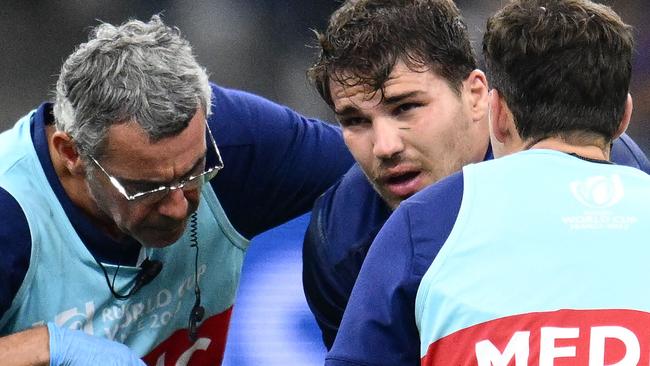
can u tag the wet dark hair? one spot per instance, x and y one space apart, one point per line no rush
366 38
562 66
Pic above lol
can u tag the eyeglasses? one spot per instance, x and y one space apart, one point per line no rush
152 193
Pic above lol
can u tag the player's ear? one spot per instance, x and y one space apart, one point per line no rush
499 117
66 151
627 115
476 88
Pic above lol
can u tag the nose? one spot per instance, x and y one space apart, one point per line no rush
174 205
388 141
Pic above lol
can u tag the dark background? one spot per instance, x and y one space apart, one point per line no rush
256 45
260 46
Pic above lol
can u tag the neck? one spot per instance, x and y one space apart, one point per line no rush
593 151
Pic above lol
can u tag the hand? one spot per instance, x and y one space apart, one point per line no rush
73 347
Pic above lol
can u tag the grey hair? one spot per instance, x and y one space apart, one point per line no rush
135 72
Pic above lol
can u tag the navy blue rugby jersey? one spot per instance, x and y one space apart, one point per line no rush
345 221
276 163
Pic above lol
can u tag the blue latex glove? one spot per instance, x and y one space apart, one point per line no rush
73 347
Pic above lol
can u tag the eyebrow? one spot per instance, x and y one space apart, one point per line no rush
388 100
348 109
394 99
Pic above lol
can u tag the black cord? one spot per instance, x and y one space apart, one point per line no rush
149 269
111 285
197 312
599 161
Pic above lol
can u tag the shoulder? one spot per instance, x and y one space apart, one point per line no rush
626 152
247 116
426 220
237 102
386 288
276 161
233 114
14 222
440 202
15 242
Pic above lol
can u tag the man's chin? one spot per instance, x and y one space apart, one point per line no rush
390 199
161 238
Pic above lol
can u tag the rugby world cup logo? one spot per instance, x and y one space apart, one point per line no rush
75 319
598 192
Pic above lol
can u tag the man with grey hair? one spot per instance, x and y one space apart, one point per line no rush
97 190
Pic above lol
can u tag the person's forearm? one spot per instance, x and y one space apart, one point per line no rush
29 347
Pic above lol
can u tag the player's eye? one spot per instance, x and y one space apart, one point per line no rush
405 107
352 121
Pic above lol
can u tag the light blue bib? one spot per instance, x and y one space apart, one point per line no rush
64 284
537 231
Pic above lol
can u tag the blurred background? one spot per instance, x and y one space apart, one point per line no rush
262 46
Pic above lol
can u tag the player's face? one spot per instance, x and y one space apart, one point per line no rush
419 132
130 157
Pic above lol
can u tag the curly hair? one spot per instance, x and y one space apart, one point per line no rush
366 38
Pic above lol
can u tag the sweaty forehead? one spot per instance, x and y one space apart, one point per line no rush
402 80
341 91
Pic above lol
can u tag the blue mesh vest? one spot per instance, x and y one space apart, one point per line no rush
64 284
547 264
